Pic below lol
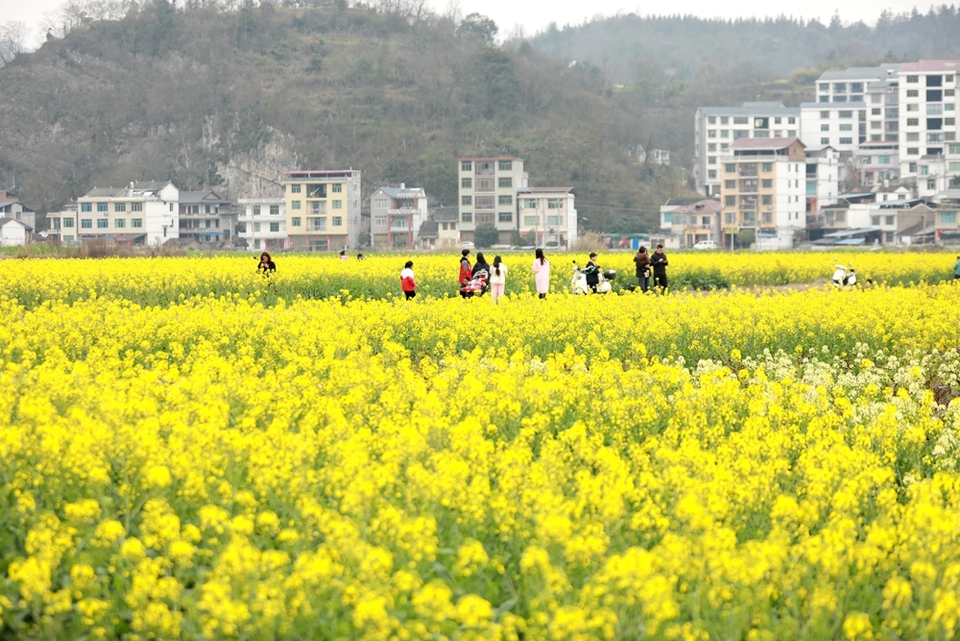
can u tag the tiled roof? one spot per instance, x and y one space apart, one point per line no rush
429 229
446 215
930 65
187 197
859 73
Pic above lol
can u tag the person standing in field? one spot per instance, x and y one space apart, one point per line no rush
541 274
659 263
498 279
465 273
407 281
956 269
642 259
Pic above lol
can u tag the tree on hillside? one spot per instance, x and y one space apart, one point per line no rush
480 26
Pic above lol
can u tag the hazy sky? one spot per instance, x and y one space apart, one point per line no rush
533 16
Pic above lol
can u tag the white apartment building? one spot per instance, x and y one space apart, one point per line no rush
883 110
851 85
830 124
928 112
396 215
549 213
877 163
262 223
717 127
205 217
763 188
63 224
822 177
144 213
686 221
488 193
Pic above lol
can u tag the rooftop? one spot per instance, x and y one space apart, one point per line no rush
924 66
861 73
833 105
760 109
764 143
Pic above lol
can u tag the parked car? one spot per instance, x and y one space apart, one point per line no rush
706 244
466 245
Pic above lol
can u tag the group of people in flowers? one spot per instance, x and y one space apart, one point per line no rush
481 277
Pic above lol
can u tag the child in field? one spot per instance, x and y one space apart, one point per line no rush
407 282
498 279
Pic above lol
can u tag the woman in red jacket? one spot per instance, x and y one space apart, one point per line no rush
407 282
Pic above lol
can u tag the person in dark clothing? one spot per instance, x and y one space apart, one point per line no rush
481 265
659 263
642 259
266 265
592 272
465 273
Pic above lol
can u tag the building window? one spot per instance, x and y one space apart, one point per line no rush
466 165
824 141
86 223
256 228
465 183
913 151
85 207
712 120
294 204
505 165
913 79
849 127
913 136
840 87
730 168
555 203
845 114
318 224
102 223
295 189
711 133
120 223
505 182
767 166
846 141
711 160
948 217
318 207
712 146
505 217
102 207
274 227
296 221
466 217
767 183
337 188
256 210
120 207
338 221
274 210
913 93
931 184
824 127
531 221
725 133
825 114
466 200
913 122
712 174
730 184
338 204
766 199
729 201
484 202
505 200
136 206
741 120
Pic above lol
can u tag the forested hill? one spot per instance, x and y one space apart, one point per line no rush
228 99
696 49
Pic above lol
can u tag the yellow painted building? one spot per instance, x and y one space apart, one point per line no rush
322 209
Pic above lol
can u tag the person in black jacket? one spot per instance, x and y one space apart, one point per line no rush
483 265
592 272
659 263
266 265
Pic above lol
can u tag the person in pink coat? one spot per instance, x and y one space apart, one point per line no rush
541 274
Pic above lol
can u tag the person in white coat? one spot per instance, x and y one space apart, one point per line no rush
498 279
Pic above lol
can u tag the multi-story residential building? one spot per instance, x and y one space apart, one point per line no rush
262 223
763 188
928 111
12 208
838 125
488 194
717 127
686 221
143 213
883 110
851 85
323 208
822 177
205 217
396 214
63 224
549 214
877 163
448 220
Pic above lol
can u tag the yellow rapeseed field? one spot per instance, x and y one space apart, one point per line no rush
190 450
